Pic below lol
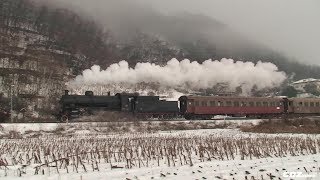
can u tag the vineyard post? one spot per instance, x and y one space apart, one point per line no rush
11 105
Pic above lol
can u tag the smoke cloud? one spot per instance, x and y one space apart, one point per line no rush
186 74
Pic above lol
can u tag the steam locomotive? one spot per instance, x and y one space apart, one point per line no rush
189 107
74 106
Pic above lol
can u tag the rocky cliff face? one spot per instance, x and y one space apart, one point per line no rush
30 72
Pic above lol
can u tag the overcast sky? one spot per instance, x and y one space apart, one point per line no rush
290 26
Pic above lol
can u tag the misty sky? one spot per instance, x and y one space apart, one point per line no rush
289 26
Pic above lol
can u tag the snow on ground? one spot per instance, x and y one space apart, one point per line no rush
301 166
81 127
23 127
233 133
297 167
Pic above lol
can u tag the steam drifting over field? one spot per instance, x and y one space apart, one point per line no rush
186 74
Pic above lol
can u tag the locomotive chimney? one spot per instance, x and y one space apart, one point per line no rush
108 93
66 92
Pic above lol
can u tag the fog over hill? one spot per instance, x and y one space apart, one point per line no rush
290 26
124 18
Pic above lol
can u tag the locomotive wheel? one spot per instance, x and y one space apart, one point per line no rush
64 118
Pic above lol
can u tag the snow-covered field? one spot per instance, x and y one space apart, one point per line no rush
301 167
189 154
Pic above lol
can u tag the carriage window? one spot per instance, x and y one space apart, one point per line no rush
272 104
196 103
300 104
265 104
306 104
317 104
236 104
251 104
212 103
243 104
204 103
311 104
220 103
258 104
290 103
229 103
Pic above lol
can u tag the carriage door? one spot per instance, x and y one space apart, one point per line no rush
290 106
285 104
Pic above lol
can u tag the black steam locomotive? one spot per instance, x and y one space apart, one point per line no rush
74 106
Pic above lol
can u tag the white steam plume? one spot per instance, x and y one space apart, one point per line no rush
186 74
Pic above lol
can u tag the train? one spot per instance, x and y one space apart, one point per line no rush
188 107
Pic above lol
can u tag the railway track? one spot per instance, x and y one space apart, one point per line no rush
231 119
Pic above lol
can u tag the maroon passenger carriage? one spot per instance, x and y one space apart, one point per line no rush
206 107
